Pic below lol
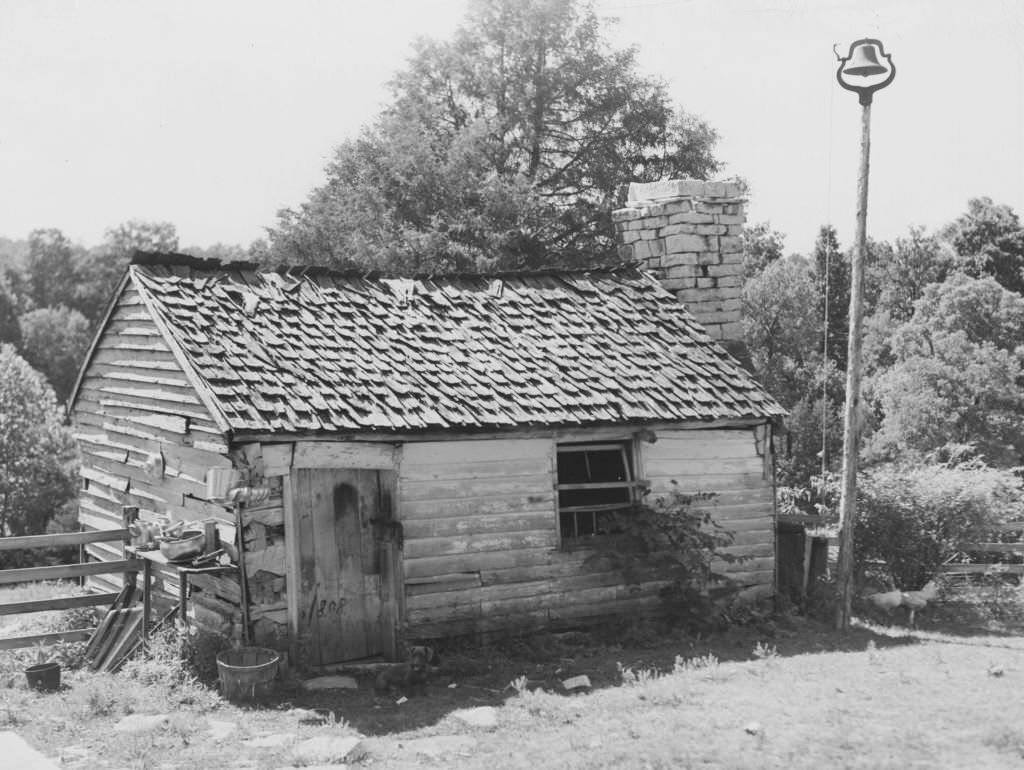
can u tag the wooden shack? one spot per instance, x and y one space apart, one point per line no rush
431 457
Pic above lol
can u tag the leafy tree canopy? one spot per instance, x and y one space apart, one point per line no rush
54 342
989 240
35 449
507 147
958 376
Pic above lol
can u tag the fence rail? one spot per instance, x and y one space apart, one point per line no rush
997 549
59 572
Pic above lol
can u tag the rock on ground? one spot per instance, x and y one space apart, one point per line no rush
334 682
140 723
329 748
481 716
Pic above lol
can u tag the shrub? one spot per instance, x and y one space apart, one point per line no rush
675 536
913 518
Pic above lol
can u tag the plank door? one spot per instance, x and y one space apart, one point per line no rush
347 565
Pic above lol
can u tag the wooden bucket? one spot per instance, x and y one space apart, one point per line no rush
247 673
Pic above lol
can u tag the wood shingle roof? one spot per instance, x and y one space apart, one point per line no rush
314 350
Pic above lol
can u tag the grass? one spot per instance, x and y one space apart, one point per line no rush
784 692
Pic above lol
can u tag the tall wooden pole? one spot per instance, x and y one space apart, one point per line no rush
851 413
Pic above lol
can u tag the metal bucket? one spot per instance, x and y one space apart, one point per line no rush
247 673
44 677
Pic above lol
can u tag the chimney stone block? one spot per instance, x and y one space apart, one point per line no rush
690 232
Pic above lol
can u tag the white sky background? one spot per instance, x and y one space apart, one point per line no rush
214 114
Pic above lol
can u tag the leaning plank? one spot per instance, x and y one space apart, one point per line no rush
126 640
60 603
122 599
109 639
16 642
62 571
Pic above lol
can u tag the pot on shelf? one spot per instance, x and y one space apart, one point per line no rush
185 546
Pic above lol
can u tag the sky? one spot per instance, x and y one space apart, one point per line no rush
215 114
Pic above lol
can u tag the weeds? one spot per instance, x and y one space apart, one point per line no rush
637 677
764 652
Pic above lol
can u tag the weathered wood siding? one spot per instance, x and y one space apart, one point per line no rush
144 437
482 549
734 465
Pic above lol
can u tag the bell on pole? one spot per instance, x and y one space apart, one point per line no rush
864 62
866 69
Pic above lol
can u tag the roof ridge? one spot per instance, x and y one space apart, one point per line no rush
175 259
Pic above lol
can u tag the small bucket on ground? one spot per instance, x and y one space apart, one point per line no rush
247 673
44 677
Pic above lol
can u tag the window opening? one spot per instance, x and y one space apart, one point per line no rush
594 481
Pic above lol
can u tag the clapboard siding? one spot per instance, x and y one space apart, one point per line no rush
132 411
482 547
729 464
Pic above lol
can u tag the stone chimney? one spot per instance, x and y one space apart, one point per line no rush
688 233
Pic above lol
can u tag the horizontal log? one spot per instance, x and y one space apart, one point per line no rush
223 587
427 566
277 458
151 362
490 505
17 642
476 543
325 454
709 483
760 549
62 539
91 515
482 451
751 564
118 483
64 571
474 469
568 588
462 489
451 526
753 577
553 602
689 468
270 559
60 603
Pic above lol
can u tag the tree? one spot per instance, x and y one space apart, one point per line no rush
50 268
54 342
780 326
9 329
989 240
509 146
761 247
36 450
103 266
832 270
958 377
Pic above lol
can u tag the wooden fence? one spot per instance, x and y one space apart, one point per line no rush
59 572
1001 550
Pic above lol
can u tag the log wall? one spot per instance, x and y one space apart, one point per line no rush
482 550
735 466
144 438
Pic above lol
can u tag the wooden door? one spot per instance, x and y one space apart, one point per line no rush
348 563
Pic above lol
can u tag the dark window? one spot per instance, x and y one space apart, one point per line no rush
594 480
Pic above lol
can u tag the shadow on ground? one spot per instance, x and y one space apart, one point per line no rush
472 676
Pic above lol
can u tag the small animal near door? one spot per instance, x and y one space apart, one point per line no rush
348 563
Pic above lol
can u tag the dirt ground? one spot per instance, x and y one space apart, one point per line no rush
467 676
